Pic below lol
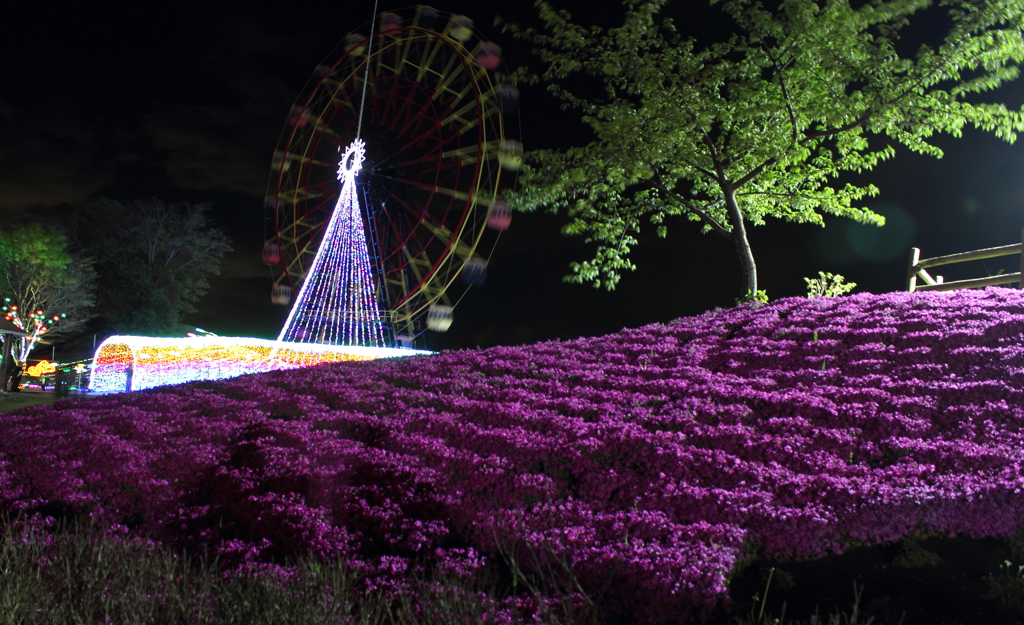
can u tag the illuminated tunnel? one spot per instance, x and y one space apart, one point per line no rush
148 361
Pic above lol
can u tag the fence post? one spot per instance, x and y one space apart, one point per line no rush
1020 284
915 257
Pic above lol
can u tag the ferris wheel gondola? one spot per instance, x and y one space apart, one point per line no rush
435 119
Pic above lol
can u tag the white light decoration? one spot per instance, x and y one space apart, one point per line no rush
147 362
336 318
337 304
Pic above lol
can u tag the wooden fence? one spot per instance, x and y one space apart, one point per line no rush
917 269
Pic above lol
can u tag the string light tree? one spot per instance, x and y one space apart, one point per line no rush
36 325
337 305
425 93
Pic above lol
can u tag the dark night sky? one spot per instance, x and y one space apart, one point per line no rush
188 104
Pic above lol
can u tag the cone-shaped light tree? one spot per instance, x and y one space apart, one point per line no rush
337 303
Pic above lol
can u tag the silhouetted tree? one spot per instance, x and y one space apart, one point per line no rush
153 258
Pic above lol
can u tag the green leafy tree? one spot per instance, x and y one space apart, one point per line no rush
154 259
759 125
49 290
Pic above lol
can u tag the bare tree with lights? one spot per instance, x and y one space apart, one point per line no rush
759 125
48 289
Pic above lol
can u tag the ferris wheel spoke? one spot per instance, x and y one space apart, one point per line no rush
440 243
432 49
293 234
387 68
416 109
404 65
308 160
406 46
430 162
294 196
439 141
420 134
349 83
413 213
467 93
447 237
385 113
437 153
401 108
419 268
345 85
355 61
319 126
467 155
463 118
433 162
332 84
345 104
295 265
453 193
447 76
389 60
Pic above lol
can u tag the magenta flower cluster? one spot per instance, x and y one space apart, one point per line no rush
650 462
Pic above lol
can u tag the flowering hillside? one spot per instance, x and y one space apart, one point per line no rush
651 461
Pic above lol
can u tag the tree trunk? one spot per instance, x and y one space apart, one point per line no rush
739 239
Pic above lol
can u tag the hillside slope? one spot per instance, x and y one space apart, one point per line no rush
652 461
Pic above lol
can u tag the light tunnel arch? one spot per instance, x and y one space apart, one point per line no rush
148 362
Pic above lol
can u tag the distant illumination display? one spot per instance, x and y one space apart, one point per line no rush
147 362
41 368
336 317
35 325
337 304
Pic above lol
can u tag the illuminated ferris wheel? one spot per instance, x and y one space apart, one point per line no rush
435 122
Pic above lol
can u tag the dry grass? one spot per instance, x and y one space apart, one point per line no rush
14 401
81 576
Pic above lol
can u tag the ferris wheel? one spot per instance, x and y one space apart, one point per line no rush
434 119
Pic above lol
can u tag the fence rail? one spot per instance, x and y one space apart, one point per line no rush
917 269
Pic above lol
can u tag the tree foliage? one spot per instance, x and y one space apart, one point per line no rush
44 277
828 285
153 258
759 125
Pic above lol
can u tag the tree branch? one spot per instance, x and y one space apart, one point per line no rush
708 219
785 92
706 172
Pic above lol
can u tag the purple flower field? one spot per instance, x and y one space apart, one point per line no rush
652 461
